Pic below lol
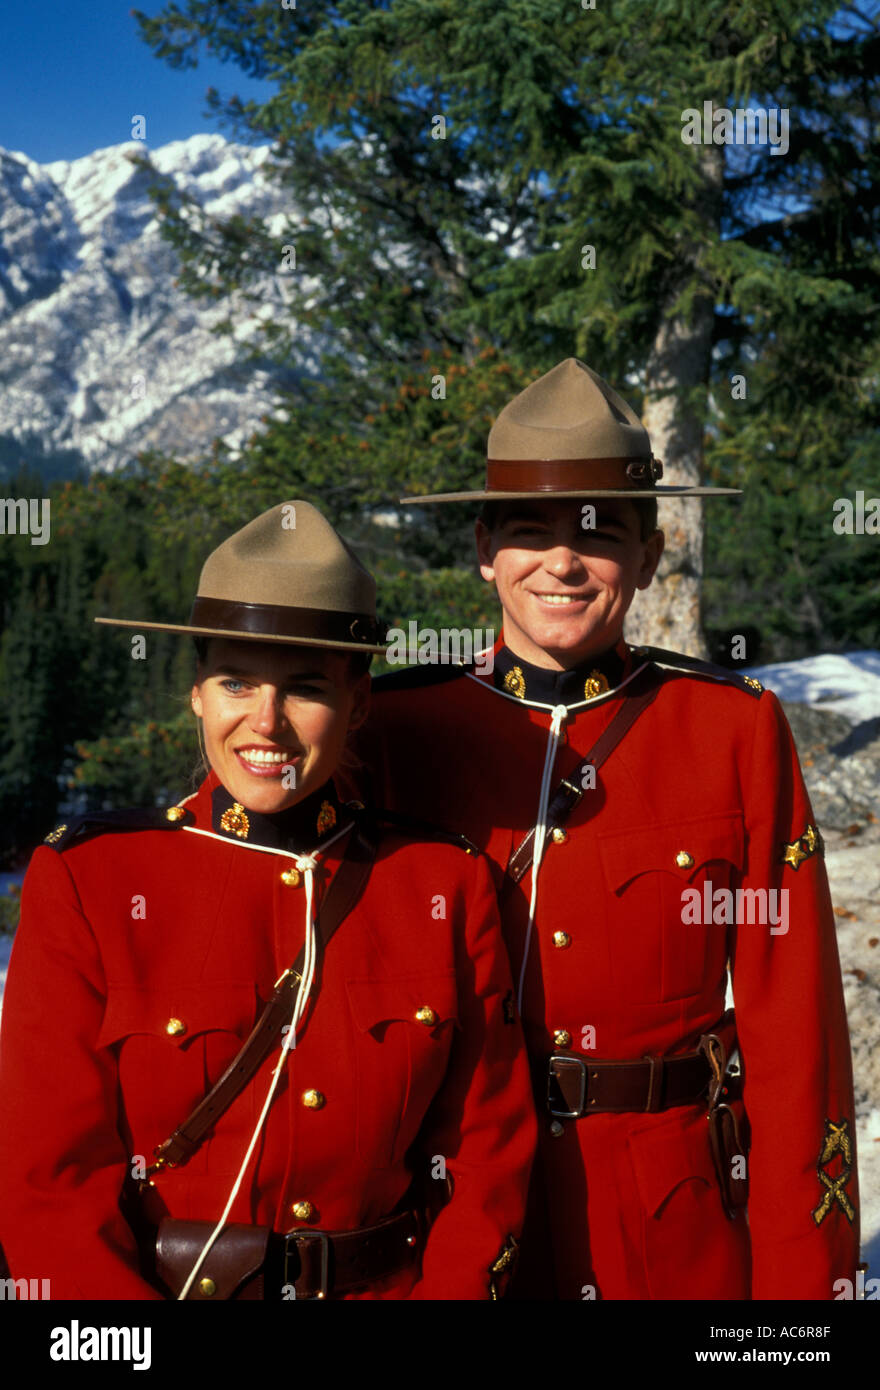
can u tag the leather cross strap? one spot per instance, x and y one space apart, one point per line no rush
578 1087
345 888
566 795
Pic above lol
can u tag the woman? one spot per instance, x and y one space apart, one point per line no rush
389 1067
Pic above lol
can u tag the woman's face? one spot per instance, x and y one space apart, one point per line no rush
276 717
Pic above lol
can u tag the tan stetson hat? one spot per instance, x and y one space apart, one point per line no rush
570 435
285 577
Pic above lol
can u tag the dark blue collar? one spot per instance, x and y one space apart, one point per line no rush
297 830
535 683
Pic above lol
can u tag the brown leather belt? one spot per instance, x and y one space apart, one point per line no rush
319 1263
253 1262
577 1087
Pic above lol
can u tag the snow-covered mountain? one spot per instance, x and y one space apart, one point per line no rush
99 352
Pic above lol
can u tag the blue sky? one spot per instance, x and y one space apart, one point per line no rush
72 76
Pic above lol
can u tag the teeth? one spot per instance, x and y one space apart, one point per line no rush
254 755
557 598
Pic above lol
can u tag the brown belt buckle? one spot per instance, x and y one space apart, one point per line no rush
563 1063
294 1238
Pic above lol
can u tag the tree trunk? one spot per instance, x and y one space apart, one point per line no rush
668 613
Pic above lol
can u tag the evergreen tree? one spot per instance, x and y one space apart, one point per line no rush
519 174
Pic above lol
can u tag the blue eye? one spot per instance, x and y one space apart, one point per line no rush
229 681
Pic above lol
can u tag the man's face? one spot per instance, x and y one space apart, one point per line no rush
267 709
565 589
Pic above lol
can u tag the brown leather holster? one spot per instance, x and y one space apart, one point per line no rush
729 1135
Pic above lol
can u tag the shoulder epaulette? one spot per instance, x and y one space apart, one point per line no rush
80 828
413 677
701 668
421 829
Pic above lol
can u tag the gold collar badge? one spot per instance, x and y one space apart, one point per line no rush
326 818
515 682
235 822
595 684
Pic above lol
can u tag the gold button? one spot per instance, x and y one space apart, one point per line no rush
562 1037
313 1100
207 1287
558 835
561 939
174 1027
291 878
175 813
684 860
426 1015
303 1211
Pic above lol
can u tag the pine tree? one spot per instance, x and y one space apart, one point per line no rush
518 175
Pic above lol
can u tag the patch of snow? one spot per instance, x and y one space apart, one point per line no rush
847 684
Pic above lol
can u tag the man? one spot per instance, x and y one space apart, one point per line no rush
679 841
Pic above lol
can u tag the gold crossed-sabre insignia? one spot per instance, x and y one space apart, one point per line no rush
755 685
595 684
504 1262
794 855
836 1140
515 682
326 818
235 821
55 835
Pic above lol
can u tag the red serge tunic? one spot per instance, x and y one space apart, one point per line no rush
704 792
140 966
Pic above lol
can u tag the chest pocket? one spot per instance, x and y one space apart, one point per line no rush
171 1046
403 1029
656 957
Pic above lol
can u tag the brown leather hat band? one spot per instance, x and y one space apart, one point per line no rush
277 620
569 475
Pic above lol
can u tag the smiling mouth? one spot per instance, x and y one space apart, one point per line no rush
560 600
266 760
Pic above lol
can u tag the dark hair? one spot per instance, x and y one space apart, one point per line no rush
358 662
491 514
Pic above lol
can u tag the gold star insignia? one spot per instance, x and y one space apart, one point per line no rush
235 822
595 684
813 840
55 835
756 685
808 842
794 855
515 682
326 818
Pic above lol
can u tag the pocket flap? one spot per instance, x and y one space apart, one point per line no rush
380 1000
178 1014
681 848
670 1153
236 1256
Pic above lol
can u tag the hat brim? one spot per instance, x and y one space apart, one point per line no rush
236 636
546 496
